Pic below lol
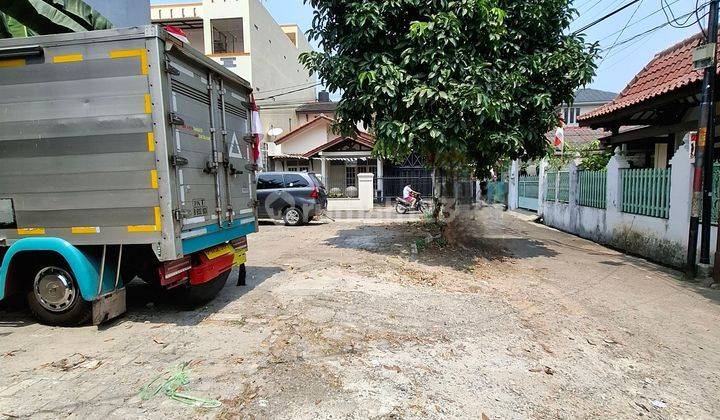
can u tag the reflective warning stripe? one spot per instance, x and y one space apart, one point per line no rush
69 58
12 63
85 230
148 228
142 54
30 231
148 104
151 142
154 179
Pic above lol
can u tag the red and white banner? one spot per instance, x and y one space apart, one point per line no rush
257 131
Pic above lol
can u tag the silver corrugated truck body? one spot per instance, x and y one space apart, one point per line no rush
122 137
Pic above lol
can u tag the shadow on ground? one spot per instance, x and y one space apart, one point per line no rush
394 239
149 304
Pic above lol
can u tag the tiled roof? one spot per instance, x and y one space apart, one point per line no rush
579 136
668 71
593 96
318 107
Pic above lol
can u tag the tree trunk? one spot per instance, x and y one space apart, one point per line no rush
437 194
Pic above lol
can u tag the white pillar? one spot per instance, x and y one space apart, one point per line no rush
380 175
614 189
542 185
681 196
513 185
323 171
366 190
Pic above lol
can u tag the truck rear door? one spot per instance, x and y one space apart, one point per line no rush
194 125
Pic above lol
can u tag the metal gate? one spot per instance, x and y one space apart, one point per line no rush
528 192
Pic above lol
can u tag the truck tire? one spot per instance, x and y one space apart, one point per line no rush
54 297
193 296
293 216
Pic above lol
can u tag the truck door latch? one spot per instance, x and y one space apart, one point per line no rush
170 69
232 170
180 214
211 168
175 119
177 160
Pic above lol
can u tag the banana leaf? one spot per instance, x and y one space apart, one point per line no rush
4 27
45 17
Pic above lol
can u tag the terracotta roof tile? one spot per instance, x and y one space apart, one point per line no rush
668 71
578 136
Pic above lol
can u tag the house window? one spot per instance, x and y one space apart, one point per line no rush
227 36
298 166
571 115
352 171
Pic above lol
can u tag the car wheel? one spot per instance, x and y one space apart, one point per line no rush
55 297
293 216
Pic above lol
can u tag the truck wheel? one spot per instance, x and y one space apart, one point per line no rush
293 216
192 296
55 298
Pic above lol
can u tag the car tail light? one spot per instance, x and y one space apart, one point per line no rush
315 194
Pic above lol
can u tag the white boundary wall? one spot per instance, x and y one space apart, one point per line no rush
661 240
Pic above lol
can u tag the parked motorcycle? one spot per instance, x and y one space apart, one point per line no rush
404 206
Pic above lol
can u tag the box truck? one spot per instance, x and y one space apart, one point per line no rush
124 154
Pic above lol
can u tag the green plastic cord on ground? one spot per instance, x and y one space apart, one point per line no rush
170 382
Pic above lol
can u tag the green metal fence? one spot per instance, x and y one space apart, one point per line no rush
564 187
716 193
646 192
592 189
551 186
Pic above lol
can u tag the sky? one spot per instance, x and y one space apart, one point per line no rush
620 63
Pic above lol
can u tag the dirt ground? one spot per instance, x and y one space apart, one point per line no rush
344 320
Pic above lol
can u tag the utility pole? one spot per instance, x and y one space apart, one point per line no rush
703 177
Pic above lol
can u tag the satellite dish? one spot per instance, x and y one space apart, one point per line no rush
274 132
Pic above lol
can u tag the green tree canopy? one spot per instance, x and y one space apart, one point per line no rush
459 81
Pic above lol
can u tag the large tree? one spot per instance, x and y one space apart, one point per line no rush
462 82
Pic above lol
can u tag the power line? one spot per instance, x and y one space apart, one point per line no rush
286 87
638 21
289 92
621 32
606 17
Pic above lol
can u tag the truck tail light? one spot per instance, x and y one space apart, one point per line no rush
175 272
239 243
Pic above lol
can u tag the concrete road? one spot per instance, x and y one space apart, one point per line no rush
344 320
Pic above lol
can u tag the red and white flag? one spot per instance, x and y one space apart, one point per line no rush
559 142
177 33
257 131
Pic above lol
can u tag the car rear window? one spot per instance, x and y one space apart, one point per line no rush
296 181
269 182
316 181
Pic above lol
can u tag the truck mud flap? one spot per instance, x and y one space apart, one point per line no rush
109 306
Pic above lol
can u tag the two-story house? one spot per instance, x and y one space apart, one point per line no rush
243 36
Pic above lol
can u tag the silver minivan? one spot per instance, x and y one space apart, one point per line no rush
293 197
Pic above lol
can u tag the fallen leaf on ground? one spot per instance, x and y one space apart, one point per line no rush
610 341
546 369
394 368
12 353
590 342
485 417
158 341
